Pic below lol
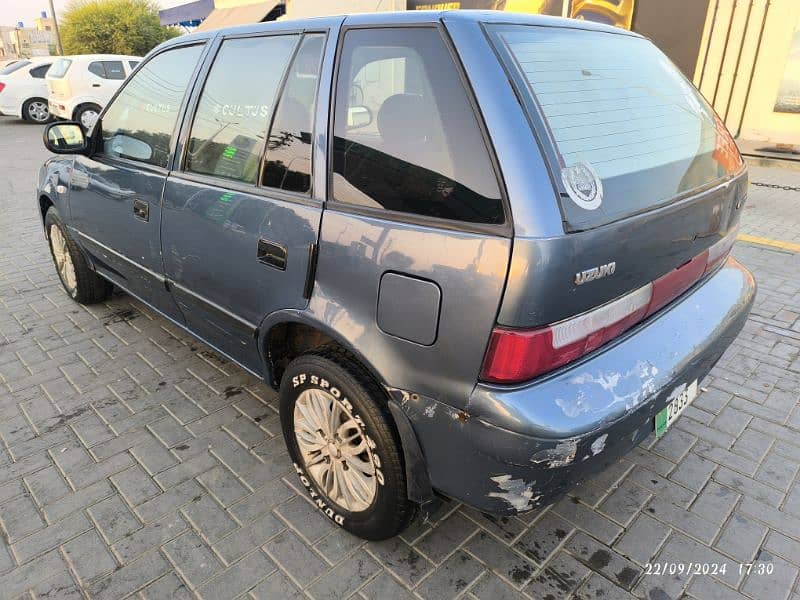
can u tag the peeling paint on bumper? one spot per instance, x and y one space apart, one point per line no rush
516 449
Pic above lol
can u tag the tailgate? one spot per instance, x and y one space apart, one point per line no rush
556 278
646 176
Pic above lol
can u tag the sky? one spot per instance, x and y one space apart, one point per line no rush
12 11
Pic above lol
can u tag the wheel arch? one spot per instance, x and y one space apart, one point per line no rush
45 202
316 333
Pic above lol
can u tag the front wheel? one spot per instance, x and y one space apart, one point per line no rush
343 444
80 282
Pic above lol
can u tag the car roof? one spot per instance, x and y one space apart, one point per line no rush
77 57
406 17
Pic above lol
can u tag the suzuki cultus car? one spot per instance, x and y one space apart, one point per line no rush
479 255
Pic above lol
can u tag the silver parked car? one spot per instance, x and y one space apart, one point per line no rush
480 255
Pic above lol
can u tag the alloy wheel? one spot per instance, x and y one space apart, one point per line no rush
335 450
38 111
64 265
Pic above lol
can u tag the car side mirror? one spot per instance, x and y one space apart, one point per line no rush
65 137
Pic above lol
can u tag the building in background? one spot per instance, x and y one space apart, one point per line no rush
25 42
213 14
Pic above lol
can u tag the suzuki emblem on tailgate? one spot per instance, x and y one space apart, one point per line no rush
595 273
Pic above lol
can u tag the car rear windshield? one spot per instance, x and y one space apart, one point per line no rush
59 68
628 131
15 67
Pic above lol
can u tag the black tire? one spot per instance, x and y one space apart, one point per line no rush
81 111
332 368
89 288
34 112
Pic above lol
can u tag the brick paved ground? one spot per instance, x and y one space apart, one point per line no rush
136 461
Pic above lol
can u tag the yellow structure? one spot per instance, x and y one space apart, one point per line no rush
749 68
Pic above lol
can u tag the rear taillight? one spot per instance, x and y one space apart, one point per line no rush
516 355
2 86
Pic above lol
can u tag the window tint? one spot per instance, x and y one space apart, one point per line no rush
133 64
287 165
235 106
14 67
59 68
39 72
107 69
405 135
114 69
96 67
139 123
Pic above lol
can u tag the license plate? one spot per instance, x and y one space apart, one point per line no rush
681 398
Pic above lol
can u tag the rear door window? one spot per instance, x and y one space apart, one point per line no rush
630 132
287 164
107 69
406 138
235 107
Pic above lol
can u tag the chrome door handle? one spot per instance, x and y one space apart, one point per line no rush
271 254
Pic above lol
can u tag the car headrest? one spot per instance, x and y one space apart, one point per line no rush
403 120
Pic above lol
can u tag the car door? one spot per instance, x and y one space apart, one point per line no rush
104 78
415 239
115 197
239 221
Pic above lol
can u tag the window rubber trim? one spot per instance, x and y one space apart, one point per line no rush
504 229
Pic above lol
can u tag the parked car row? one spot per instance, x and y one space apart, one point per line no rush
67 87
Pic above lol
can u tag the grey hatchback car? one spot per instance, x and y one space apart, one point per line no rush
480 255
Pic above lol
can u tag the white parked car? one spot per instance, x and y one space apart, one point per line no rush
23 90
81 85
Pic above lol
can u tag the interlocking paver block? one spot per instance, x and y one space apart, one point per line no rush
133 460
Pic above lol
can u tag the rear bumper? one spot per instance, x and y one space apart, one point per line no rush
59 110
521 447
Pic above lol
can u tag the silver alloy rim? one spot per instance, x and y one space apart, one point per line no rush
335 451
88 117
64 266
38 111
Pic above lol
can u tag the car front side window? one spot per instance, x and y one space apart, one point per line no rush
139 123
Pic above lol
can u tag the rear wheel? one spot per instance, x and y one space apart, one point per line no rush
35 110
343 443
80 282
86 115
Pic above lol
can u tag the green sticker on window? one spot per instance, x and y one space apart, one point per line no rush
230 152
661 421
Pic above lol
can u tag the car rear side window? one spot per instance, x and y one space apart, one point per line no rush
59 68
139 123
133 64
630 132
287 164
235 107
107 69
406 138
39 72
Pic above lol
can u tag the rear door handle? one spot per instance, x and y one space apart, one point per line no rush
95 85
141 210
271 254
